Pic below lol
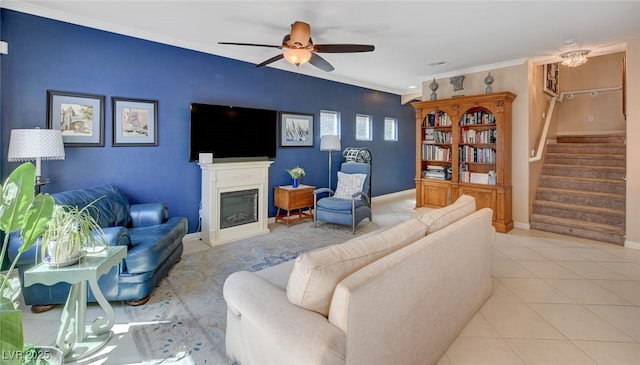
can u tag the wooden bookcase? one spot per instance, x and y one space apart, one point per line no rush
460 143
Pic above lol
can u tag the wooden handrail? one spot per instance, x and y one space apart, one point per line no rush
552 103
587 91
545 131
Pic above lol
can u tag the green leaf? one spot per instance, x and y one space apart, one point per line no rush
17 195
36 220
10 294
11 336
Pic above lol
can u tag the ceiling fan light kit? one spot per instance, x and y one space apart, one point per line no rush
298 48
297 56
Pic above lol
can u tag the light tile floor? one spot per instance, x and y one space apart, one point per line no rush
556 300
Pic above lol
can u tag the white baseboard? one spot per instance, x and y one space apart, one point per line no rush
521 225
195 236
631 244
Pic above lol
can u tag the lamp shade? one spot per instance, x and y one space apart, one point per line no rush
330 143
33 144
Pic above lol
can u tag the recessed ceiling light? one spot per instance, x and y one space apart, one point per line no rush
435 64
412 86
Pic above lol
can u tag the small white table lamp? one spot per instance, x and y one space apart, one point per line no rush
330 143
36 145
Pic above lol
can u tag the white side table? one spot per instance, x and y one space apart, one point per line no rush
74 339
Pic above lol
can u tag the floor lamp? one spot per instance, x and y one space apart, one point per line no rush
36 145
330 143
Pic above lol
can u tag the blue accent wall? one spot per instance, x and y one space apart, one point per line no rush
45 54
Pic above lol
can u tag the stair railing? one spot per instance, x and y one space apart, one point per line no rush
545 131
552 104
593 92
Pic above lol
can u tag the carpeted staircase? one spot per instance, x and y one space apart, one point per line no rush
581 191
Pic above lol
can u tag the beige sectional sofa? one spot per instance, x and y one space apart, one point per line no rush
398 295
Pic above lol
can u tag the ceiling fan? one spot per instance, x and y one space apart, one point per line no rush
299 48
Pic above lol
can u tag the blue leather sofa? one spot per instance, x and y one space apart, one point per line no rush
153 240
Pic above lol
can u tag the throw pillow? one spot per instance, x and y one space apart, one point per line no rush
349 184
316 273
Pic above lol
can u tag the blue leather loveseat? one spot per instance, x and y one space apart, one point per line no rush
153 240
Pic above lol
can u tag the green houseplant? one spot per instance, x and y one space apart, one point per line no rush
19 210
71 230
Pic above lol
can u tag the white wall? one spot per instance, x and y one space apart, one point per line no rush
633 143
604 109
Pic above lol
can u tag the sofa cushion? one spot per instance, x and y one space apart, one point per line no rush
440 218
277 275
338 205
112 207
316 273
349 184
151 245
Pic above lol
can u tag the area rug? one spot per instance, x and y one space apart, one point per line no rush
184 322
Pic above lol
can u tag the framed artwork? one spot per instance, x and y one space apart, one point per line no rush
135 122
296 130
551 78
80 117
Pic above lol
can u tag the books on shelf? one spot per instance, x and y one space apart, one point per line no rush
435 172
479 178
431 152
477 154
478 117
429 135
436 119
474 177
432 135
478 136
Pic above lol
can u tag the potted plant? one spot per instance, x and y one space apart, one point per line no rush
19 210
71 231
296 173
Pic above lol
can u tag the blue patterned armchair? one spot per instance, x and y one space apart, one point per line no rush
350 203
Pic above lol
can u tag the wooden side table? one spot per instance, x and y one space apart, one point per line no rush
75 339
298 201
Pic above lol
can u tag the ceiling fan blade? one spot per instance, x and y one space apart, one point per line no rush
343 48
320 63
271 60
251 44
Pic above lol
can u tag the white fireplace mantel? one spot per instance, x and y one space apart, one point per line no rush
218 178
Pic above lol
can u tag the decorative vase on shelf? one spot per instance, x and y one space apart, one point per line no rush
488 81
296 182
433 86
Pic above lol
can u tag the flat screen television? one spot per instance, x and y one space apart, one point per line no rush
232 133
